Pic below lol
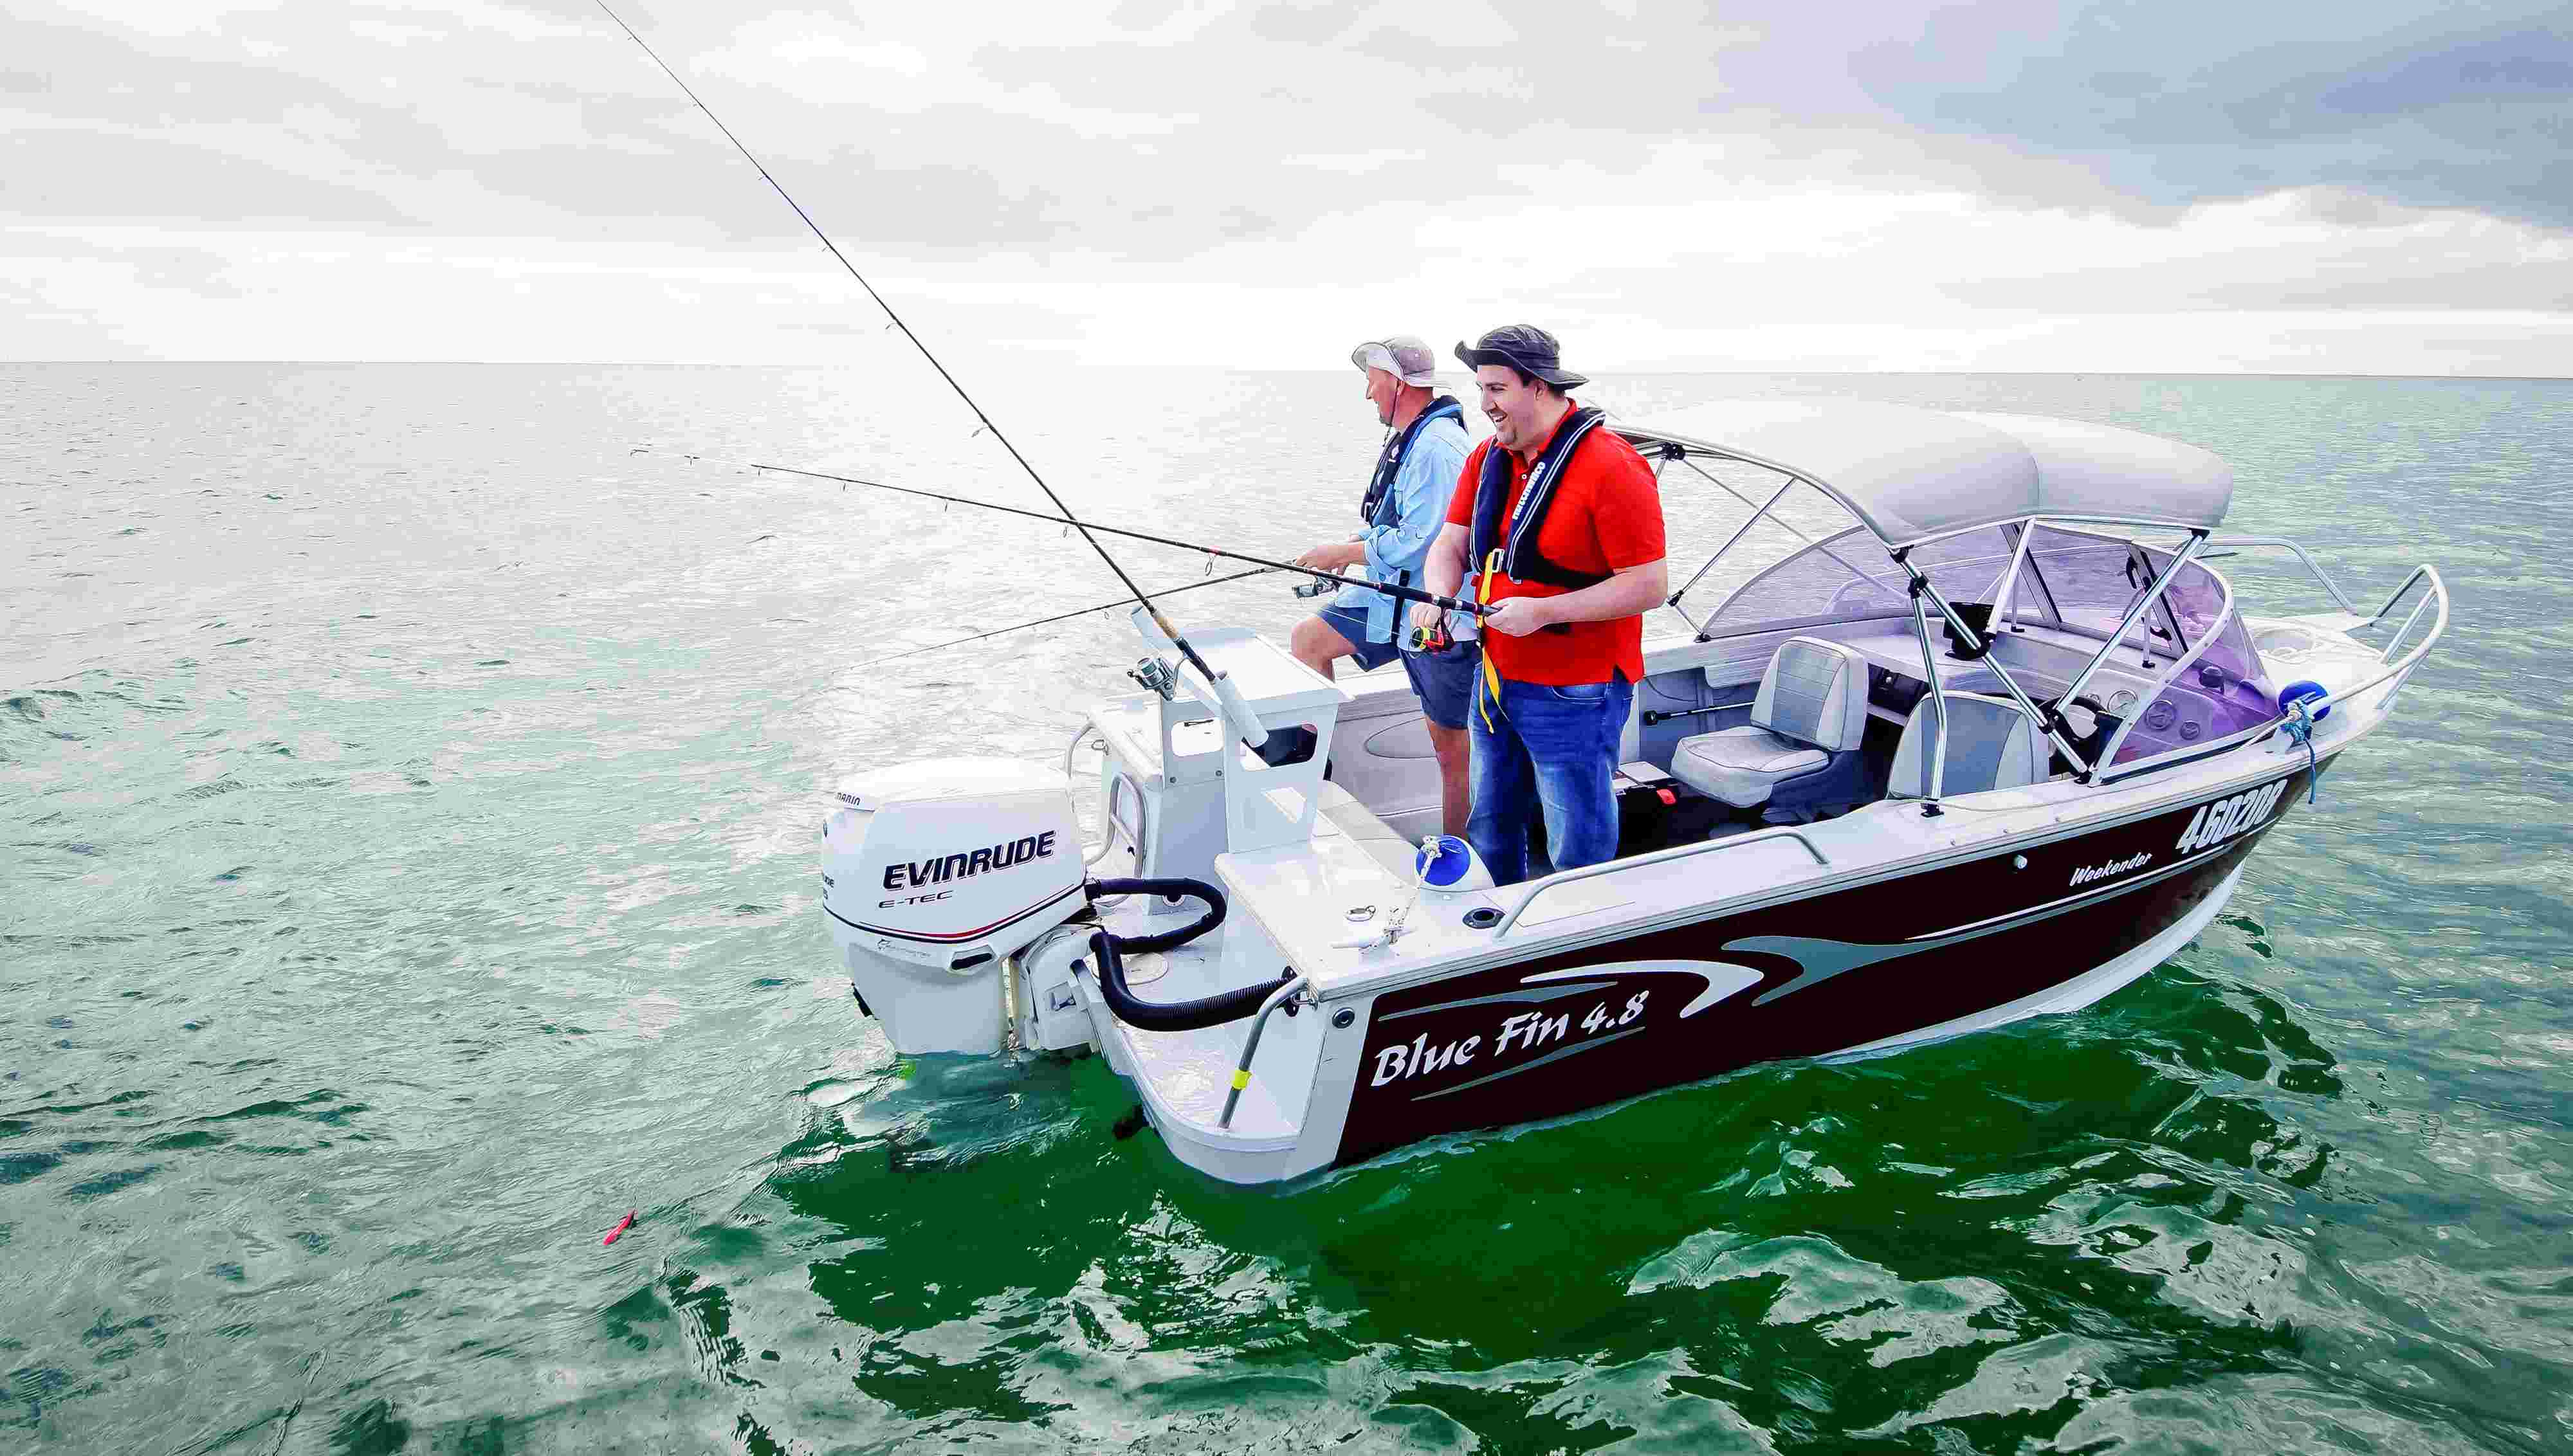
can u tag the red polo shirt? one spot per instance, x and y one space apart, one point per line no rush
1608 516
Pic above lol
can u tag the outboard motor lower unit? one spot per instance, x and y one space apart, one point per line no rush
934 874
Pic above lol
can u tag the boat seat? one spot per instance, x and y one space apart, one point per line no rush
1800 751
1991 745
1371 834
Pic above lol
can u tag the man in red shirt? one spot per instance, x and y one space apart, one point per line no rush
1559 522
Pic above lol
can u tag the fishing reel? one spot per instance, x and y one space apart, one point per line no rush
1315 587
1157 677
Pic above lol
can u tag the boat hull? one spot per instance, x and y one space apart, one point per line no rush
1868 969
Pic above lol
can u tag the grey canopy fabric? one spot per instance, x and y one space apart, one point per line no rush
1909 473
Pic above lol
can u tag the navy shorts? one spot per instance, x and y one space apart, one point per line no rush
1351 623
1443 680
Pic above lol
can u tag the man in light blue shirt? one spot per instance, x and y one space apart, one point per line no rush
1405 504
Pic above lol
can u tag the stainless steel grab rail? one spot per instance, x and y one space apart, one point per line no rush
2440 588
1251 1043
2438 628
2330 587
1658 857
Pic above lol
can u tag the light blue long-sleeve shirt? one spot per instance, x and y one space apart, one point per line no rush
1398 540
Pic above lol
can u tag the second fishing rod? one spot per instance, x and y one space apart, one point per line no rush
1389 588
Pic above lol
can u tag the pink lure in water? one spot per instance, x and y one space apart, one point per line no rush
622 1224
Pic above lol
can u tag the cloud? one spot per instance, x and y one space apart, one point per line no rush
2192 101
1094 179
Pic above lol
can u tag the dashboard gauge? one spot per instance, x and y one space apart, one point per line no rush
2188 732
2159 716
2121 702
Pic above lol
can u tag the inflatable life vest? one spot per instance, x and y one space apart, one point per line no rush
1514 553
1518 556
1389 464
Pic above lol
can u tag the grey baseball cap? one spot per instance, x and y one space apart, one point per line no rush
1405 358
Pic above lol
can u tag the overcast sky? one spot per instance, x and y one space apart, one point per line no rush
2175 184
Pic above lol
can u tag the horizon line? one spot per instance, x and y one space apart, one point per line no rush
1314 369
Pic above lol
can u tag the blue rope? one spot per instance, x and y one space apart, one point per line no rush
2301 728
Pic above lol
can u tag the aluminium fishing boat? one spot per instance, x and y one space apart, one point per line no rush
1989 741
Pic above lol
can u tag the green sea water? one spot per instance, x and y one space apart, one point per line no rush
409 781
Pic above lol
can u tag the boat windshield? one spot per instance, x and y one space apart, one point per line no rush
2079 582
1834 581
2220 689
2085 581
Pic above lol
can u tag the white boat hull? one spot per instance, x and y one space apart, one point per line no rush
1625 1013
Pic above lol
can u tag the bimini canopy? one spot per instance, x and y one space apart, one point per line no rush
1909 473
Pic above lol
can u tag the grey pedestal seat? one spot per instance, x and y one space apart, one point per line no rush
1800 749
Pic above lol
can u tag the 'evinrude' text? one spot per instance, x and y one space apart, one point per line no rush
917 874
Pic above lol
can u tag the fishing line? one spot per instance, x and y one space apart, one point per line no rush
1066 616
1394 589
1168 631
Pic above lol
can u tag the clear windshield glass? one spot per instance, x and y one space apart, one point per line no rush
2088 583
1810 586
2223 693
1967 569
1848 577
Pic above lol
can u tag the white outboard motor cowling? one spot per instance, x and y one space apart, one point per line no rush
934 873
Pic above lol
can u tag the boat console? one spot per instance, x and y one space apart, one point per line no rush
1173 765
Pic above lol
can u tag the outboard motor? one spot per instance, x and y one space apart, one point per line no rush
934 874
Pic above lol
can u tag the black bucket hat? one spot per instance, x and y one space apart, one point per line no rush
1522 347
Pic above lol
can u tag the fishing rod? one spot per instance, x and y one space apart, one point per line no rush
1392 589
1244 723
1066 616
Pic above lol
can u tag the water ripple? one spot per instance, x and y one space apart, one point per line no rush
410 789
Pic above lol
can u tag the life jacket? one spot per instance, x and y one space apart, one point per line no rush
1514 553
1389 464
1518 557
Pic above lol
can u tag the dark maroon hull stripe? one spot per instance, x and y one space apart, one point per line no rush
1836 970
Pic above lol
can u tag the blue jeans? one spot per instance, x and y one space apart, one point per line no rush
1549 747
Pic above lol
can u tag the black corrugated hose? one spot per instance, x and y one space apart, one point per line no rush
1174 1016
